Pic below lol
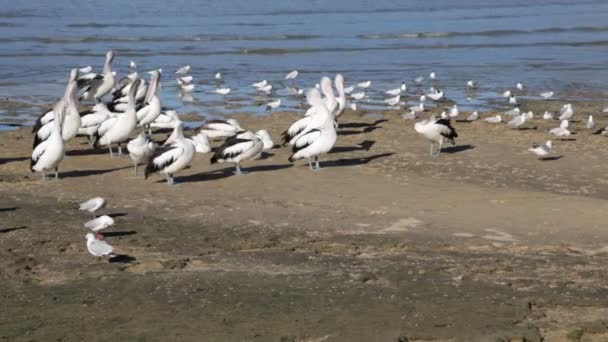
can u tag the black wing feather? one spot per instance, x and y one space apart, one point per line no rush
152 167
296 148
220 152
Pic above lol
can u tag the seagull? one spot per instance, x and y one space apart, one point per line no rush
419 79
222 91
562 130
417 109
432 75
393 92
349 90
471 84
494 119
436 96
506 94
187 88
566 112
364 85
140 149
512 100
266 89
454 111
259 84
472 117
183 70
221 128
546 95
173 158
422 98
548 116
241 147
273 105
218 76
590 123
513 112
605 110
292 75
132 65
436 131
117 129
541 151
352 106
393 100
96 86
358 96
92 205
519 120
98 248
409 116
98 224
519 86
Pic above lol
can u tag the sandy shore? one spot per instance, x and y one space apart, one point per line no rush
484 243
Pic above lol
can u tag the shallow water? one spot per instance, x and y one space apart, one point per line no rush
547 44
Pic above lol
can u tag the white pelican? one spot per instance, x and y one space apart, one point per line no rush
49 153
222 91
243 146
92 205
176 157
494 119
562 130
292 75
117 129
168 119
221 128
95 88
316 141
98 248
260 84
91 120
183 70
541 151
98 224
273 105
358 96
341 99
436 96
436 131
364 85
392 101
590 122
152 105
201 143
140 149
566 112
546 95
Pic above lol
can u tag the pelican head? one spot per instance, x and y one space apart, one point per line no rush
73 75
110 56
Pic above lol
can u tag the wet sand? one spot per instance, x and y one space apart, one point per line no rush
484 243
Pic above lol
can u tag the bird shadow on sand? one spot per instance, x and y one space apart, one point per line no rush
228 172
11 160
362 124
86 173
363 146
527 128
8 230
8 209
457 149
122 259
87 152
551 158
117 215
354 132
120 233
353 161
266 155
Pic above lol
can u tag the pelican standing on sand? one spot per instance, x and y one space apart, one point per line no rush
99 85
170 160
48 154
436 131
152 106
243 146
215 129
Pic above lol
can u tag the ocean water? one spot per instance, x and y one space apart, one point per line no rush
547 44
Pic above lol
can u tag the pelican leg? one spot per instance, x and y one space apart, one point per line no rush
56 173
43 176
310 164
432 149
440 146
110 148
120 149
238 170
317 166
135 163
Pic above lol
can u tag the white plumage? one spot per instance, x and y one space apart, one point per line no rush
98 86
176 157
562 130
364 85
140 150
472 117
436 131
183 70
222 91
494 119
358 96
393 100
92 205
541 151
98 224
260 84
292 75
590 122
215 129
436 96
98 248
243 146
546 95
566 112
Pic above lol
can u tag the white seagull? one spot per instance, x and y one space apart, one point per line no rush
471 84
183 70
292 75
218 76
436 96
432 75
512 100
92 205
259 84
541 151
472 117
358 96
566 112
454 112
506 94
349 90
493 119
548 116
98 224
393 100
98 248
562 130
417 109
436 131
419 79
364 85
132 65
222 91
243 146
273 105
172 159
590 122
546 95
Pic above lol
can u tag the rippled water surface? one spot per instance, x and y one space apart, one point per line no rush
548 44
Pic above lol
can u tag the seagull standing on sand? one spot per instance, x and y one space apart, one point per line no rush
98 224
548 116
566 112
590 122
98 248
92 205
493 119
172 159
243 146
436 131
454 111
562 130
541 151
273 105
96 86
472 117
546 95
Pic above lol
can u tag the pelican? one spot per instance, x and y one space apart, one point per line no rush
292 75
95 88
341 99
541 151
168 119
48 154
243 146
91 120
436 131
494 119
222 91
221 128
176 157
364 85
98 224
140 149
117 129
98 248
315 141
152 105
92 205
183 70
201 143
562 130
85 70
546 95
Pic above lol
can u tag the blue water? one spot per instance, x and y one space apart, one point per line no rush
548 44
